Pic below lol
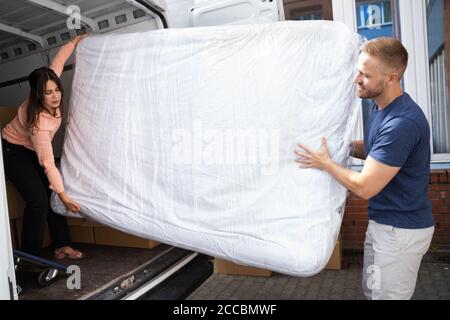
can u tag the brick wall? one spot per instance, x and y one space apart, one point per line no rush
355 220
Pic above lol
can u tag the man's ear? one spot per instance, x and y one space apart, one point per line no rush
394 77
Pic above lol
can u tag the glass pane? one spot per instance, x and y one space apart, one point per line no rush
374 21
438 76
314 15
308 9
387 11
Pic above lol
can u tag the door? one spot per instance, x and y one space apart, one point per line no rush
221 12
8 289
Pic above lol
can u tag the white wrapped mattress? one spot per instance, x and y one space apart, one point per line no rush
187 137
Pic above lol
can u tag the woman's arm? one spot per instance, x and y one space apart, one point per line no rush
42 144
64 54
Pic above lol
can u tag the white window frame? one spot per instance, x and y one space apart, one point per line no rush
413 25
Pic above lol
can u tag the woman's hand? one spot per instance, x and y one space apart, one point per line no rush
80 37
70 204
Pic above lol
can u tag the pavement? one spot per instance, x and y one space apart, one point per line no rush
433 283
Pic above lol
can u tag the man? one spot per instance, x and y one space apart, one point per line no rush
395 176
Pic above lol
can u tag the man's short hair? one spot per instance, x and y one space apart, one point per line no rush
390 51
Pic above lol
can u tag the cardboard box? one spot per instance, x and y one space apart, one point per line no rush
18 231
110 237
7 114
81 230
82 222
227 267
82 234
335 262
16 204
88 231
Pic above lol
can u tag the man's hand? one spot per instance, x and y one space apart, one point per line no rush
373 178
314 160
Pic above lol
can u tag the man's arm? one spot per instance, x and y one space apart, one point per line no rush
357 150
366 184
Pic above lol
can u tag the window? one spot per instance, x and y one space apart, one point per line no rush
139 13
31 47
17 51
121 19
425 26
314 15
440 115
51 40
65 36
308 9
374 20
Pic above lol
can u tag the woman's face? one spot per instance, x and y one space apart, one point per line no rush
52 96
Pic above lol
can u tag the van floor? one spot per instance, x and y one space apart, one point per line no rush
101 265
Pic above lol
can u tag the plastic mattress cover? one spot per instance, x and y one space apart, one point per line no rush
187 137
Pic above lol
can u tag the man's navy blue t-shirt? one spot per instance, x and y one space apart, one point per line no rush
399 136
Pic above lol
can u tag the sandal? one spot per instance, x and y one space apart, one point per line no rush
68 253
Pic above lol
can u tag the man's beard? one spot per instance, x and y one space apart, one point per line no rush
372 94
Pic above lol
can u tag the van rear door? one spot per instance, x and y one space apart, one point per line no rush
221 12
202 13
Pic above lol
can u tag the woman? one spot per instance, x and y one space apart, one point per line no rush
29 162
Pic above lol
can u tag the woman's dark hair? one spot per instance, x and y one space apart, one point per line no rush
38 79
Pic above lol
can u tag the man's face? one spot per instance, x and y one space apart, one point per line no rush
370 81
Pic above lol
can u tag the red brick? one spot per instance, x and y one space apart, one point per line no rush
441 210
447 202
357 230
441 247
434 195
438 194
355 215
443 178
357 203
434 178
440 187
438 171
441 240
437 202
352 244
442 217
346 236
444 225
360 210
362 223
440 233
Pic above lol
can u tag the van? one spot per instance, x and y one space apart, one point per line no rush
35 31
